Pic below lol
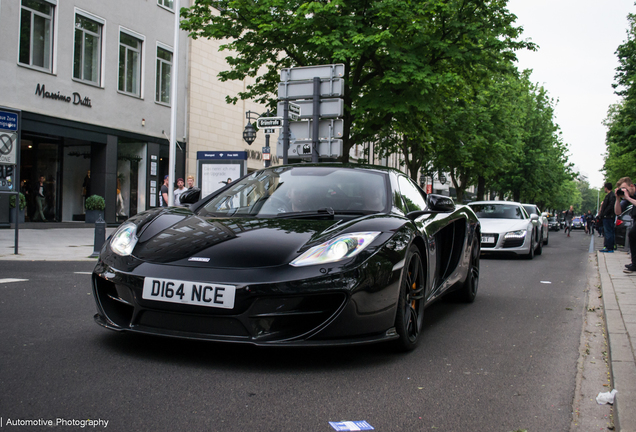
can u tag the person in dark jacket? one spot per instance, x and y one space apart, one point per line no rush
608 216
626 191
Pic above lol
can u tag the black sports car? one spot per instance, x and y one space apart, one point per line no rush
315 254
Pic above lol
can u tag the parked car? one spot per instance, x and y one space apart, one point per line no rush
311 254
507 228
554 224
541 224
624 223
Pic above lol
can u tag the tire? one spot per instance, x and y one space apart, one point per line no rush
468 291
547 239
539 249
410 307
530 254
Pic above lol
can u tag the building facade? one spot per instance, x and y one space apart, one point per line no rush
92 82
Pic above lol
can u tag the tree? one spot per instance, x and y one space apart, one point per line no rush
396 54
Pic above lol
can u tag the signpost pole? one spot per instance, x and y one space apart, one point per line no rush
286 132
17 184
315 138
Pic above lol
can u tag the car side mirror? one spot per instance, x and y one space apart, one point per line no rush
190 196
534 217
440 203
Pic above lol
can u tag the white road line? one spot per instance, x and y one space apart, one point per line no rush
7 280
86 273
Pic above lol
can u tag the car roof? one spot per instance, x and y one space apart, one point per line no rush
494 202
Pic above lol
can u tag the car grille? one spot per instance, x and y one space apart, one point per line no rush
513 243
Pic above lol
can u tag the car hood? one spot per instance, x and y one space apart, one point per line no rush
193 240
502 225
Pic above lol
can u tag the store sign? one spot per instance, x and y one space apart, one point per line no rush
76 99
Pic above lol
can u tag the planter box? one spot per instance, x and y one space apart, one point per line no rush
12 216
93 215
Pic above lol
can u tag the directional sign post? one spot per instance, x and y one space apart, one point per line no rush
269 122
294 111
10 124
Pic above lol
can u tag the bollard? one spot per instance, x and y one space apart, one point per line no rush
100 236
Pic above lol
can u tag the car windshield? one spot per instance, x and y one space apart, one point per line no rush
552 219
497 211
289 190
531 209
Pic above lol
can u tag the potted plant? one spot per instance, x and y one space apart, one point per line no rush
95 206
21 208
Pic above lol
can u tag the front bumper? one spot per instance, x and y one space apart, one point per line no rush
503 245
357 306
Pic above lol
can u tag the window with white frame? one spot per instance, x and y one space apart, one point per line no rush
87 53
129 64
166 3
164 69
36 34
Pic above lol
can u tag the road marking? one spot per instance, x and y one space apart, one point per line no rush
7 280
86 273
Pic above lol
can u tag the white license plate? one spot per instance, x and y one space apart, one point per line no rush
187 292
487 239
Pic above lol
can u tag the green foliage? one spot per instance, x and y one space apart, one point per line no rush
95 202
22 201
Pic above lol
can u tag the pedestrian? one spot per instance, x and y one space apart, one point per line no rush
569 215
190 180
40 200
589 222
163 195
608 217
178 191
626 191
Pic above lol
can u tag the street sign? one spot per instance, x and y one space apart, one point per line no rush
309 72
269 122
327 128
266 150
269 131
302 149
329 108
8 121
305 89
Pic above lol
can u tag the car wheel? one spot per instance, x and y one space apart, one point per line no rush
530 254
539 249
410 308
468 291
547 239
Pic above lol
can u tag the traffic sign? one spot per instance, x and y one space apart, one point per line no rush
266 150
269 122
305 89
302 149
327 128
329 108
8 121
309 72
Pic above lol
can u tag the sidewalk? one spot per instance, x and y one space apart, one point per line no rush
619 299
50 244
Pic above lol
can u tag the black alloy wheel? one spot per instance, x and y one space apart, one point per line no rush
409 317
468 291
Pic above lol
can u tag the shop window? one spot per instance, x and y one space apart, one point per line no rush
36 34
164 68
130 63
87 53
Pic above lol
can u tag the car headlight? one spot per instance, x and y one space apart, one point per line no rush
515 234
125 239
345 246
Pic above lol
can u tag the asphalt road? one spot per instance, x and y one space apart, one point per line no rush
504 363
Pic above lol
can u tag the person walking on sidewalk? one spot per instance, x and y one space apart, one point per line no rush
626 190
608 217
569 215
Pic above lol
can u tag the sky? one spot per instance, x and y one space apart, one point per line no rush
576 64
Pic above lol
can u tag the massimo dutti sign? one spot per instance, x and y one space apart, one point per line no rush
76 99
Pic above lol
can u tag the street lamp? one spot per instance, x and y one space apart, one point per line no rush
249 133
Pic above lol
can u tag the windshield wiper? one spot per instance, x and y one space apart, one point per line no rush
323 213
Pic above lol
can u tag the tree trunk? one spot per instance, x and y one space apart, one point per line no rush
481 188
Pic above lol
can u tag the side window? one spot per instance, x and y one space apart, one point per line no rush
413 199
164 68
36 34
87 55
169 4
129 64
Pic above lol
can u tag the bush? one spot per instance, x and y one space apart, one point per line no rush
22 201
95 202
